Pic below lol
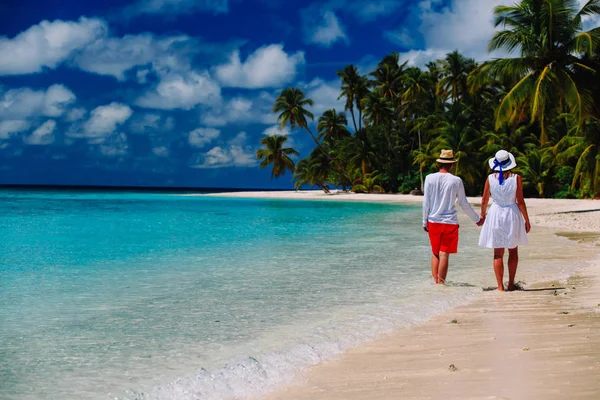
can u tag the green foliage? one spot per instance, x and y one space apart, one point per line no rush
276 155
542 104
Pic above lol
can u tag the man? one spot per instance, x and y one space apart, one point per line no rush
442 191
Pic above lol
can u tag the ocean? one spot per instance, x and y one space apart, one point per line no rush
108 295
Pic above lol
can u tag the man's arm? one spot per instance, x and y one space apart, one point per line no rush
464 204
426 199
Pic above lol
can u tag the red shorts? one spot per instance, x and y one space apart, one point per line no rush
443 237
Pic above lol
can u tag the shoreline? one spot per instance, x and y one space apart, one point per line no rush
540 343
568 215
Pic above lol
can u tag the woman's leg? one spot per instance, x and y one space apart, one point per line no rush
499 268
513 261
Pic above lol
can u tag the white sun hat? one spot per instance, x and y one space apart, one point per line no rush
503 161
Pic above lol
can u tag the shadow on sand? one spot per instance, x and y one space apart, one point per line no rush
520 287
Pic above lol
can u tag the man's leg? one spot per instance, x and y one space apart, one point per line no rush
513 261
435 238
499 268
449 245
443 267
435 262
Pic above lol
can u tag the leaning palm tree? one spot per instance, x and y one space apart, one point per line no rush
291 106
275 154
332 126
553 47
351 82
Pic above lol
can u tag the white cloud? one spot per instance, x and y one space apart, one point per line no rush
276 131
241 110
268 66
104 121
453 27
115 56
219 157
181 91
47 44
235 154
466 25
324 95
76 114
150 122
326 31
10 127
402 37
142 76
26 102
43 135
175 7
200 137
161 151
419 58
238 140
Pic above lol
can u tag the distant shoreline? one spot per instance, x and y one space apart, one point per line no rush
153 189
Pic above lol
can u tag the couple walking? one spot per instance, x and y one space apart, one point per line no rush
505 226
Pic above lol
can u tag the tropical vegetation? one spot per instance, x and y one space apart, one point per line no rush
542 103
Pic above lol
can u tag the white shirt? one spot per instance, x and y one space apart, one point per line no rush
442 191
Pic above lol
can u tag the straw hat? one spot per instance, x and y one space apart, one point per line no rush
446 157
503 161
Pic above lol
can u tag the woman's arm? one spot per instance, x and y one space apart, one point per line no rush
485 199
521 204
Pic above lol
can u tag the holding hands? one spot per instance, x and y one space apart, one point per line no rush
481 220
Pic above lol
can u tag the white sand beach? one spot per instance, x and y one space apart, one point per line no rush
540 343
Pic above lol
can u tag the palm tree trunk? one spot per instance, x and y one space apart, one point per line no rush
359 118
318 143
353 119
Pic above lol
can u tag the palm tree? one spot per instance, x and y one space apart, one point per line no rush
388 76
274 153
314 171
413 99
455 71
379 110
332 126
455 132
351 82
553 47
362 91
369 183
582 146
291 104
535 167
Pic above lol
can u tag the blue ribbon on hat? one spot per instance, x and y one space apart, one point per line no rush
498 164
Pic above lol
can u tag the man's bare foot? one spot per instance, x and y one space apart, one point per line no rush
511 287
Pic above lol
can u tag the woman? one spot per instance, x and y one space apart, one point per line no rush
507 223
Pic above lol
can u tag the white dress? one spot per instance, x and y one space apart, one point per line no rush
504 226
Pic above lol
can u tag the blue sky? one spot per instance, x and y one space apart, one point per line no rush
179 92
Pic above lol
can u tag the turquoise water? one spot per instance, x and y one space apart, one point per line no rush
156 296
